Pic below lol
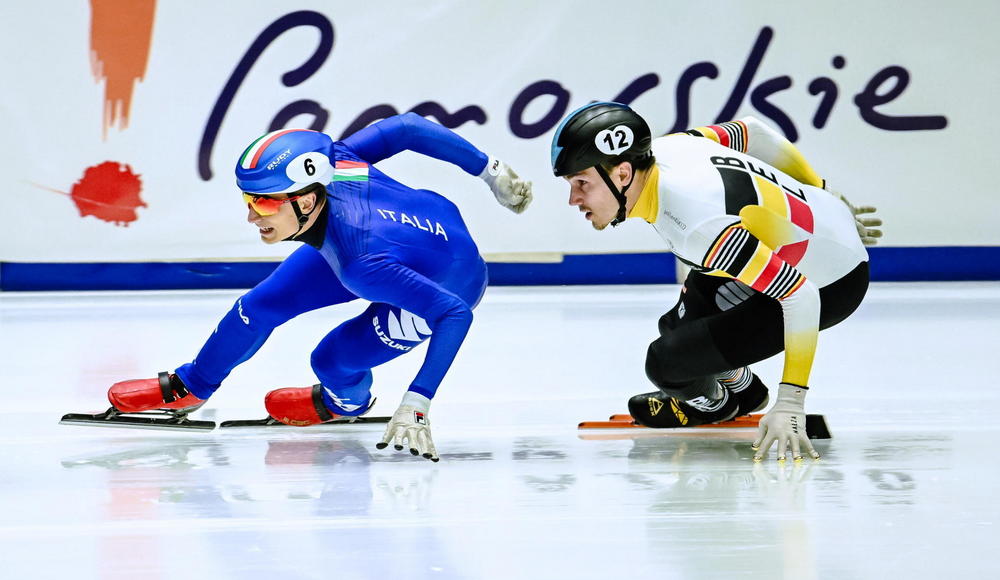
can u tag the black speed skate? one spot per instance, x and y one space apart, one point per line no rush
656 409
661 411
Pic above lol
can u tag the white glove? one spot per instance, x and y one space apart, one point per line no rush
510 190
867 231
410 423
784 423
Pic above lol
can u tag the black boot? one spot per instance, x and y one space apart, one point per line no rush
751 398
661 411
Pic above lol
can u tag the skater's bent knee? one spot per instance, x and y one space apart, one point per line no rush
662 366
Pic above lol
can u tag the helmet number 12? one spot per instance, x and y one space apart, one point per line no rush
614 141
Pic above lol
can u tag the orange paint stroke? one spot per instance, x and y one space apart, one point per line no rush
121 32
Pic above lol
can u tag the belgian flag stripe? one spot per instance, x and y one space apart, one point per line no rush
800 213
782 282
716 249
767 274
798 284
743 137
744 256
722 135
772 197
729 249
793 253
733 251
739 189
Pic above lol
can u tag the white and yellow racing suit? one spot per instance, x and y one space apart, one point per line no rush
774 256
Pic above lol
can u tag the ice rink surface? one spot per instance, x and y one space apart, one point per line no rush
905 489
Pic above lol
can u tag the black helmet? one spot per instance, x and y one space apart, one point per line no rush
596 133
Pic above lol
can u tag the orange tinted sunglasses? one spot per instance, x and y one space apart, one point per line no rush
265 205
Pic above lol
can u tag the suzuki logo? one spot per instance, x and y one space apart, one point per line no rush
407 327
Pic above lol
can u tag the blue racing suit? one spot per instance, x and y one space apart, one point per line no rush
407 251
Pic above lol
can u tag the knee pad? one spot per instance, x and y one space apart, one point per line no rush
683 354
674 378
663 367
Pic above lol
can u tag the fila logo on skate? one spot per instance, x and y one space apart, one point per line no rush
707 405
342 403
406 326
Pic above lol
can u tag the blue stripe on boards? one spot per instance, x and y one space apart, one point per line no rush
946 263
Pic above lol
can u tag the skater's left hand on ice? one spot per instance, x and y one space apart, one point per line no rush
410 424
510 190
785 423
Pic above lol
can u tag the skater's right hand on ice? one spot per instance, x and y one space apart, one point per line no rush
510 190
784 423
867 226
410 424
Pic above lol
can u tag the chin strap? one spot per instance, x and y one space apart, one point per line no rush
302 218
619 194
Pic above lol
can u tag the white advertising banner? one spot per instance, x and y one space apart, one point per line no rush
123 119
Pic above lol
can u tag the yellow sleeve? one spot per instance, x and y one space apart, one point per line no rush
751 136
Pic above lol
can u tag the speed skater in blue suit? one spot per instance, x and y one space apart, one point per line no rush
365 236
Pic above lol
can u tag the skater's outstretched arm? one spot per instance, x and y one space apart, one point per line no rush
755 138
411 132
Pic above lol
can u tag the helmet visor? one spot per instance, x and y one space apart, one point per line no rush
265 205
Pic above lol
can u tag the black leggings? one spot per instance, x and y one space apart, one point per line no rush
709 331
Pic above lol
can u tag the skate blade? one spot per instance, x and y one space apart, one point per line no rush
626 422
144 420
271 422
816 426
